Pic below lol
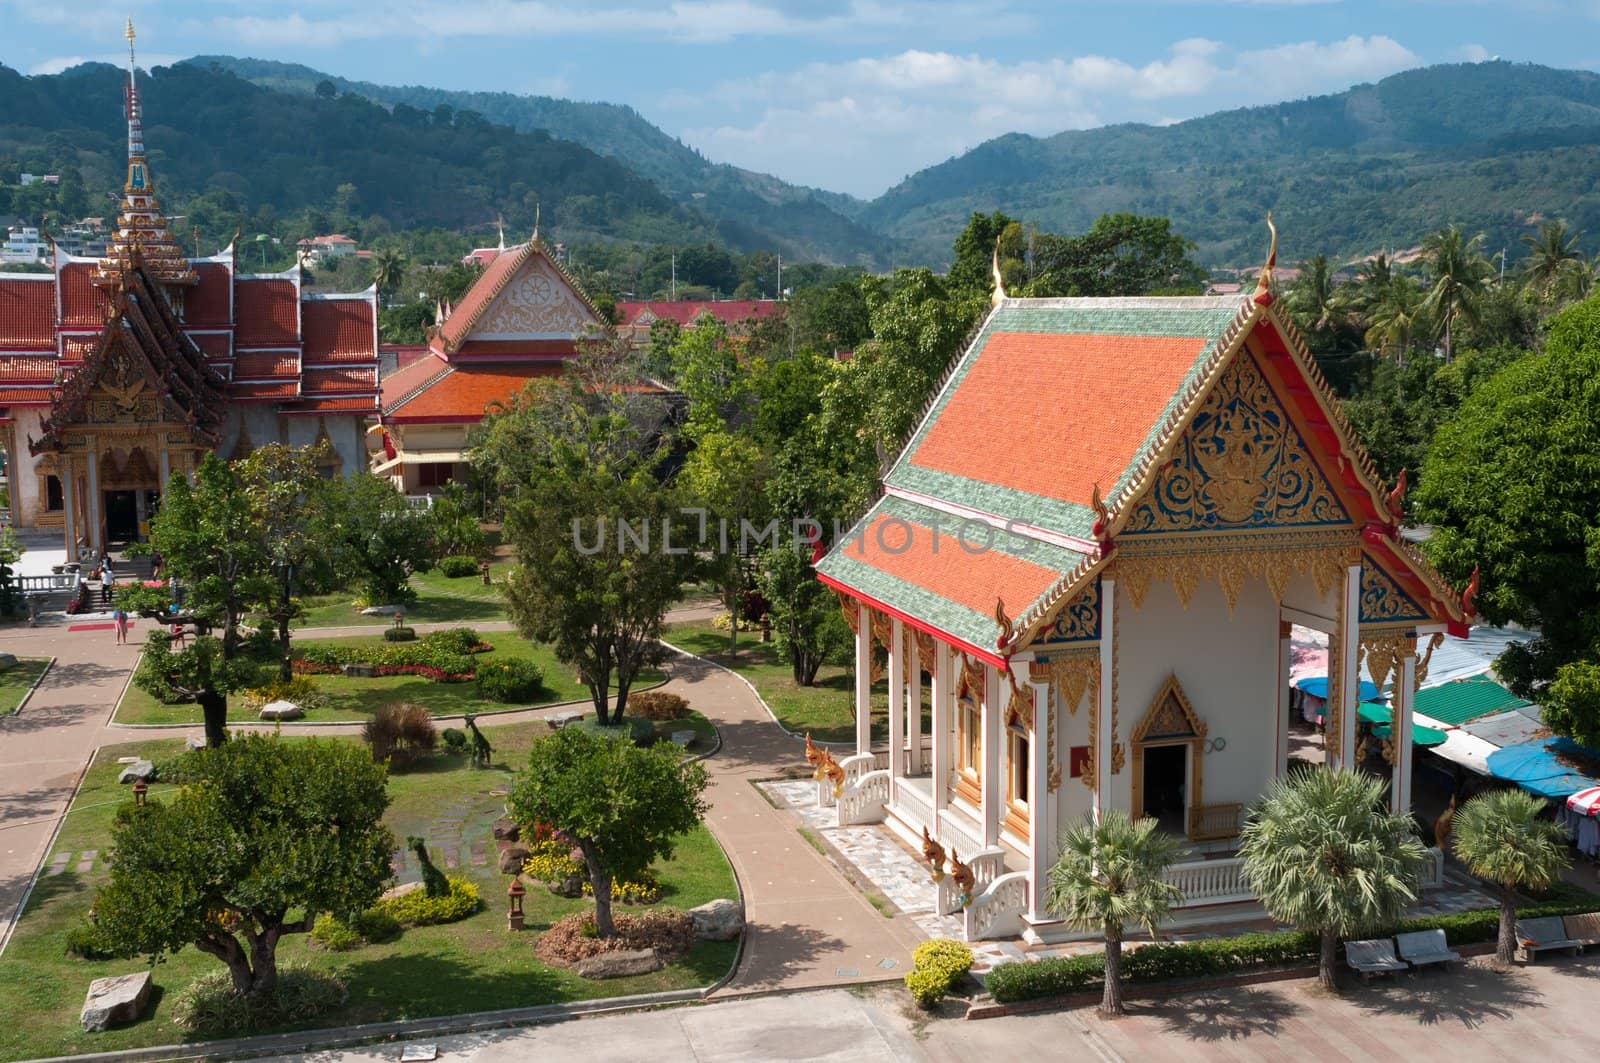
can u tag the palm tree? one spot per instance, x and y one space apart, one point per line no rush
1459 275
1501 837
1551 254
1395 317
1109 874
388 265
1314 298
1576 283
1323 851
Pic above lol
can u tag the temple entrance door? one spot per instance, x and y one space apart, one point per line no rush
122 516
1166 785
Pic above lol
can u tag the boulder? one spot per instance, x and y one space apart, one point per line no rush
381 610
139 769
619 964
7 661
401 890
115 1001
558 720
281 710
358 670
194 742
719 920
683 739
571 886
512 857
505 829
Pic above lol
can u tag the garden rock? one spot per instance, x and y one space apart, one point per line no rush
358 670
281 710
619 964
571 886
719 920
394 892
512 857
115 1001
380 610
7 661
558 720
194 742
683 739
139 769
505 829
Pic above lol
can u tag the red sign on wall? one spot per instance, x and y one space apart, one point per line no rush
1078 762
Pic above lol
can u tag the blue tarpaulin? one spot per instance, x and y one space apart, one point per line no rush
1535 767
1317 687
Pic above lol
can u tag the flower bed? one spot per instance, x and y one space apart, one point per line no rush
442 656
572 937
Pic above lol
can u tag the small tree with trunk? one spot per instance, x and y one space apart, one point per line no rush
264 828
1323 851
1500 836
1111 874
623 806
378 538
199 673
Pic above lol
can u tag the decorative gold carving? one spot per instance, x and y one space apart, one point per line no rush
880 628
1434 642
933 853
1078 618
926 649
1117 752
970 684
813 754
1007 628
1382 600
1232 568
536 302
1019 706
1383 655
1170 715
963 878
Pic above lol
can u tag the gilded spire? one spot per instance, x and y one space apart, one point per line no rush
1264 281
141 227
998 296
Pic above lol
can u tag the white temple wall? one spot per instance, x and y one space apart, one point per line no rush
26 423
1074 800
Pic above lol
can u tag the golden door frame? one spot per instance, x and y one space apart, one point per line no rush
1173 722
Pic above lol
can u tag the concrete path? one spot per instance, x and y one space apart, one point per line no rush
808 925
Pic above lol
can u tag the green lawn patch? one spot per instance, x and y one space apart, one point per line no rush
356 699
824 710
473 965
16 682
440 600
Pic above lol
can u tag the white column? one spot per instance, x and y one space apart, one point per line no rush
993 784
1102 752
92 507
863 679
1350 665
897 700
1404 691
914 762
1280 747
69 499
166 468
1041 836
942 727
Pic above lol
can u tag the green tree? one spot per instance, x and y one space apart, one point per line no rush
624 806
292 523
1503 836
1323 852
1121 254
388 267
263 828
379 539
1551 254
1395 319
206 535
200 673
11 551
726 476
1110 874
972 271
1458 276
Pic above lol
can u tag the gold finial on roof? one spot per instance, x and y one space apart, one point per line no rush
536 223
1264 281
999 294
128 33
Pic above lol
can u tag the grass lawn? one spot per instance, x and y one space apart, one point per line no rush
473 965
823 710
16 682
357 699
440 600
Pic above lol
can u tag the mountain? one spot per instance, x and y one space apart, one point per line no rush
1493 147
752 210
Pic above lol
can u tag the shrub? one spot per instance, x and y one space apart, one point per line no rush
510 680
87 943
724 621
399 634
658 705
1053 977
458 565
209 1006
376 927
645 889
334 934
572 937
455 741
300 689
936 966
442 659
455 640
400 734
418 909
640 732
551 860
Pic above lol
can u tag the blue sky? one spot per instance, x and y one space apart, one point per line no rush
849 95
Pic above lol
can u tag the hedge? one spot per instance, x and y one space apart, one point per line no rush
937 966
1214 957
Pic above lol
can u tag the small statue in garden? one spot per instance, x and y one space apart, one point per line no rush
481 749
829 769
813 754
933 853
434 884
961 875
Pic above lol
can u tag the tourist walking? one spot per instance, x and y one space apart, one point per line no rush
108 579
120 618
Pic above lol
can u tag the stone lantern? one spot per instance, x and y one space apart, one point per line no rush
140 788
515 892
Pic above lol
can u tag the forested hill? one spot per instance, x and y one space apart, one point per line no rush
748 206
1491 146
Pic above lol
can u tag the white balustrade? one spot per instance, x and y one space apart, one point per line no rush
986 865
866 801
913 805
958 834
997 912
860 764
51 583
1210 882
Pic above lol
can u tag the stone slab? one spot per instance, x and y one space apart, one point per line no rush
683 739
115 1001
622 963
281 710
141 769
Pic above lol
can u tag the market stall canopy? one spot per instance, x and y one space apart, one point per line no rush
1422 737
1317 687
1549 767
1586 802
1465 699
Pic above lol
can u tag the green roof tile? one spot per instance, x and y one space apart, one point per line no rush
1461 700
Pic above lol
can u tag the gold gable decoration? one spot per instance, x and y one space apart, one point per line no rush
537 302
1232 563
1170 716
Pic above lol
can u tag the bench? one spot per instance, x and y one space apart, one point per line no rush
1424 947
1373 957
1584 929
1548 932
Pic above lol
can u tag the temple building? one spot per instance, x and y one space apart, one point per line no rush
522 319
1090 556
119 370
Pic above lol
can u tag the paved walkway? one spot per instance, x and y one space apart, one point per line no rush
808 925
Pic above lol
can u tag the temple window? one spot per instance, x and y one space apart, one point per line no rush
53 496
1017 766
435 473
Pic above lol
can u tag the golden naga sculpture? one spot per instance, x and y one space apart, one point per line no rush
1102 514
998 296
834 773
965 882
1008 627
1263 294
813 754
933 853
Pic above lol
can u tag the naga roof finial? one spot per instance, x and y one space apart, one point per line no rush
998 296
1263 294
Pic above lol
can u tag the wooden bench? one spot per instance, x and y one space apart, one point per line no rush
1547 932
1584 929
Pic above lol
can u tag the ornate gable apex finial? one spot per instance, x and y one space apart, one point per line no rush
535 226
999 294
1263 294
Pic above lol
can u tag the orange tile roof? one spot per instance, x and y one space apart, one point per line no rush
348 404
1076 408
339 381
25 396
935 561
263 391
27 314
265 311
206 304
411 376
77 348
212 344
250 366
82 304
338 330
28 370
463 393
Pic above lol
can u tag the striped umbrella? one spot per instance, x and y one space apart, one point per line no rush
1585 802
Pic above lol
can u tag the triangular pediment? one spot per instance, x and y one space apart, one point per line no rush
1170 716
536 303
1241 463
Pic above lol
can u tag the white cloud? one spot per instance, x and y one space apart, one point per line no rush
56 64
862 124
1473 53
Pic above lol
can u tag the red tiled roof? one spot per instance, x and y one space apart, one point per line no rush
212 344
351 404
206 304
265 311
28 370
27 314
465 392
408 378
25 396
338 330
77 348
685 313
81 302
265 364
500 272
263 391
339 381
923 557
1088 405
